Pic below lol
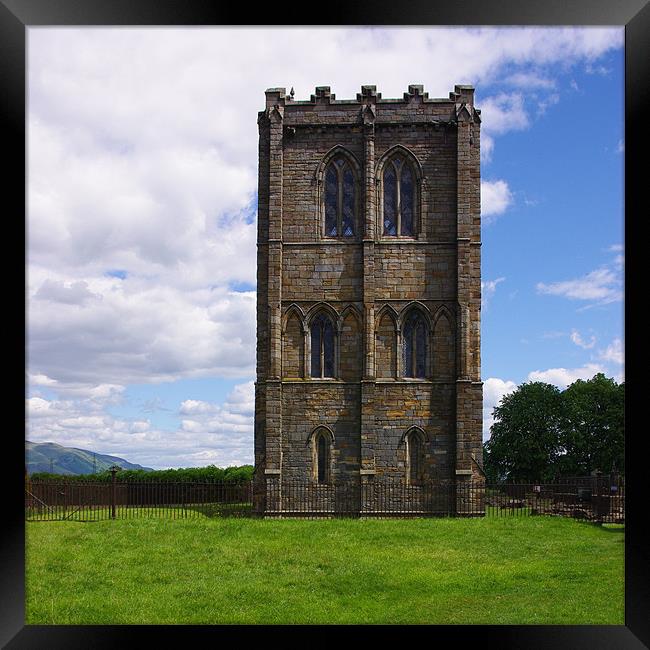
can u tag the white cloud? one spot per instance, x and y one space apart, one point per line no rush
613 353
74 293
488 289
242 399
602 286
40 380
210 433
597 69
619 258
141 331
530 80
580 342
504 112
496 198
562 377
494 389
487 147
196 407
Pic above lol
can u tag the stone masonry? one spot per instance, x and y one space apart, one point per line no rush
368 284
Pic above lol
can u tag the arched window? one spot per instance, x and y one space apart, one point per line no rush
322 455
322 346
386 348
414 451
414 346
399 198
340 199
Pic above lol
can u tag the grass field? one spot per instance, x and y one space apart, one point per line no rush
528 570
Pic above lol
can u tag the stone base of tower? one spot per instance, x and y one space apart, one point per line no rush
469 476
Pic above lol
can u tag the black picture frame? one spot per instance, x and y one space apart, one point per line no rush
17 15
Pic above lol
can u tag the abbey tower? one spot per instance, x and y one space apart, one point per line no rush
368 289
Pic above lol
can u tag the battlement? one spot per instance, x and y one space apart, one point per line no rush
369 107
324 95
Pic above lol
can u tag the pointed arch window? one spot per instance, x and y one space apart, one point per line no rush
322 456
415 452
414 346
399 198
322 346
340 199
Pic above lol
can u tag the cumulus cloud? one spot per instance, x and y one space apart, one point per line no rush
504 112
141 331
562 377
208 432
494 389
602 286
74 293
197 407
496 198
487 147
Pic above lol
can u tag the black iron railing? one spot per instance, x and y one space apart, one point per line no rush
600 501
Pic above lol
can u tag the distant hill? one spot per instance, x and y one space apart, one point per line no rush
55 459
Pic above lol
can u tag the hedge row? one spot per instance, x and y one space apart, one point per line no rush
191 474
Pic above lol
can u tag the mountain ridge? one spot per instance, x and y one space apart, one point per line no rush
56 459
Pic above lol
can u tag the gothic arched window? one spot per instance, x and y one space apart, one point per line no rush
322 457
414 450
340 199
399 198
322 346
414 346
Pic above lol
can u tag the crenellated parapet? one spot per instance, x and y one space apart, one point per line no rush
370 108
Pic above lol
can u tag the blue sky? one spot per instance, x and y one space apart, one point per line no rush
566 175
142 154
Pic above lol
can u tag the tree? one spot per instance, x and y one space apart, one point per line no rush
592 436
525 437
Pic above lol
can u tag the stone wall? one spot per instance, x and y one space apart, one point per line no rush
415 272
309 405
331 272
430 406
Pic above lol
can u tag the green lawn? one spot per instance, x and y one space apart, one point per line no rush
528 570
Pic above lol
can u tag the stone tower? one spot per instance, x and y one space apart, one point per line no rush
368 289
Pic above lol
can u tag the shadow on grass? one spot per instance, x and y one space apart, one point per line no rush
222 510
606 528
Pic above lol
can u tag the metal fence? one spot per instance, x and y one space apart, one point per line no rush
600 500
92 501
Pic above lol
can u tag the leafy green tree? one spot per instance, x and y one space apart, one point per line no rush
593 432
524 443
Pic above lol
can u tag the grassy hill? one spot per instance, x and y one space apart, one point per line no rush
56 459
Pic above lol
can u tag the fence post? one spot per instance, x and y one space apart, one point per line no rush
453 489
114 469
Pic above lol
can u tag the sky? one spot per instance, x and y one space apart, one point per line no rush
141 219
